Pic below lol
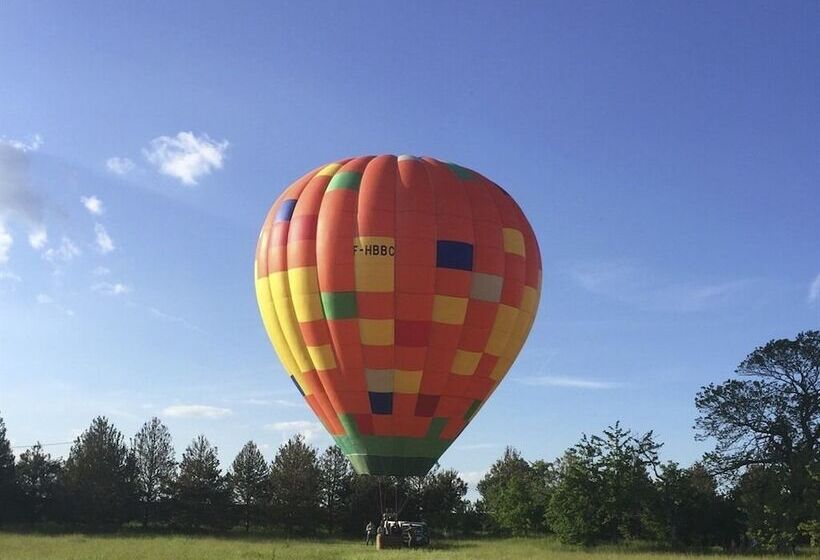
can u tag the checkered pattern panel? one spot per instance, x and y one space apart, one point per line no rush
397 293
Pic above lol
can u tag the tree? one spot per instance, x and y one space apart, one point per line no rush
604 489
99 476
295 481
201 493
38 478
335 485
442 498
512 494
155 466
770 418
8 488
248 483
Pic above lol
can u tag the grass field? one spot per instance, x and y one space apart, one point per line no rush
116 547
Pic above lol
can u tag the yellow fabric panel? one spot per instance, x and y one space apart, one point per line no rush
502 327
376 332
300 379
329 170
407 381
322 356
308 307
283 304
465 362
501 368
514 241
449 310
279 286
272 327
529 299
303 280
374 272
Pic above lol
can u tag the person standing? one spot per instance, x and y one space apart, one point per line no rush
368 533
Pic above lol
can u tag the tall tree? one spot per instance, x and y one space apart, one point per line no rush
248 483
604 489
8 488
295 480
770 418
442 498
38 477
155 466
99 476
511 493
336 479
201 492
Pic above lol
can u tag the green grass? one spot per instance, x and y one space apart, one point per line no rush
115 547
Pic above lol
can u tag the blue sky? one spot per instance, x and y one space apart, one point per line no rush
667 155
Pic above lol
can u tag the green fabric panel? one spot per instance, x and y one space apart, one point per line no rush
339 305
461 172
435 428
394 466
395 446
472 410
345 180
349 424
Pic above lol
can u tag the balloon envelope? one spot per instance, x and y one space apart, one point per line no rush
397 292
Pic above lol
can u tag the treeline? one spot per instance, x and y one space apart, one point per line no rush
759 488
105 483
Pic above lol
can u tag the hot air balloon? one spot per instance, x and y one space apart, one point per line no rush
397 292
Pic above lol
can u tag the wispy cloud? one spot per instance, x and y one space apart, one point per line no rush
66 251
309 430
18 198
111 288
101 271
476 446
271 402
571 382
173 319
45 299
472 477
104 242
186 156
38 238
814 290
93 204
638 286
196 411
119 165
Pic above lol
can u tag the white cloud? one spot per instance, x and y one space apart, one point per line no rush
119 165
637 286
272 402
44 299
186 157
111 289
9 276
196 411
472 477
173 319
573 382
66 251
21 145
38 238
104 242
17 196
92 204
101 271
309 430
6 241
814 290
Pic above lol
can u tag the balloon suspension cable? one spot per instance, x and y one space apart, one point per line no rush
381 501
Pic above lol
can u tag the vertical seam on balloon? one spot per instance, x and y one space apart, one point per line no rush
396 186
291 309
268 280
448 389
430 183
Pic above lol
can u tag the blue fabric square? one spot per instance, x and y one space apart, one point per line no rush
381 403
286 210
454 254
